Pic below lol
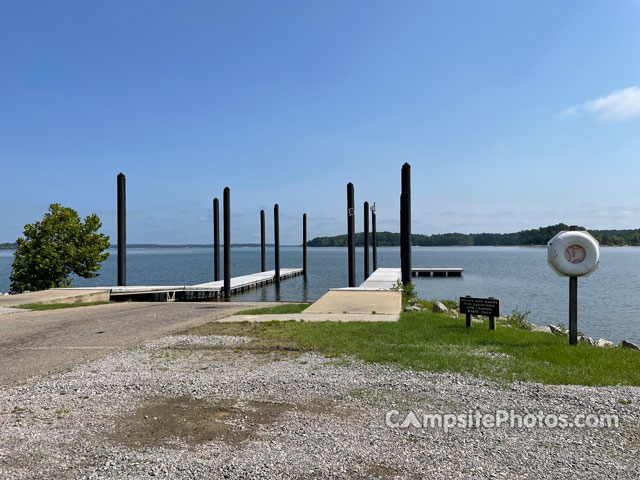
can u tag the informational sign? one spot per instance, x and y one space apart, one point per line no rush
489 307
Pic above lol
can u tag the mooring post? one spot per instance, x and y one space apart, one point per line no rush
226 199
401 234
492 321
374 242
304 244
351 246
366 240
468 316
122 230
406 222
276 239
263 252
573 304
216 239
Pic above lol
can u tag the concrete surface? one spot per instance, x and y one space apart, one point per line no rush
358 301
57 295
39 342
8 310
315 317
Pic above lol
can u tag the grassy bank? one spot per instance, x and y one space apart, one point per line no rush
430 341
286 308
57 306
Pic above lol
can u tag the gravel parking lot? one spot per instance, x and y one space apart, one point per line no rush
215 407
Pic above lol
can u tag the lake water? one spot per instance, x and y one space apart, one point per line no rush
609 299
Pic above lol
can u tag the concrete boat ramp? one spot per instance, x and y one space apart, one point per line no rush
373 301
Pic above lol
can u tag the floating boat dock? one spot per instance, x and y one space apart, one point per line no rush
201 291
386 278
436 272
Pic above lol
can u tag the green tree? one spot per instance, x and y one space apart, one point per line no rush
59 245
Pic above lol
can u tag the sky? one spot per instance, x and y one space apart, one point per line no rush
512 114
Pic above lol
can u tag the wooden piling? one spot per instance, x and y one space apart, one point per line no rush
227 241
351 236
122 230
216 239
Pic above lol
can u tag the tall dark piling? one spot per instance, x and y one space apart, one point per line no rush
276 240
122 230
216 239
351 245
374 241
366 240
405 222
304 244
401 234
263 250
226 199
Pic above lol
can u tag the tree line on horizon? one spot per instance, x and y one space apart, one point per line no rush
537 236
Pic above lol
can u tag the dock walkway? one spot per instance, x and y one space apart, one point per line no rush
385 278
201 291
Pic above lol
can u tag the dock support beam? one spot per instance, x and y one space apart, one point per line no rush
216 239
374 241
351 247
304 244
276 239
263 253
366 240
405 224
122 230
226 199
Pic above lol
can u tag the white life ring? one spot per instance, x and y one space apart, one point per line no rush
573 254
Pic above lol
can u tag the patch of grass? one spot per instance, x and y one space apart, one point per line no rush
430 341
286 308
57 306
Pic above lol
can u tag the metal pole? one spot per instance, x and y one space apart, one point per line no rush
573 310
374 242
351 248
276 238
227 241
122 230
401 233
216 239
304 244
263 252
366 240
406 221
573 305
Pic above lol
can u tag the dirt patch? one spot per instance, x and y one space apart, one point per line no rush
162 421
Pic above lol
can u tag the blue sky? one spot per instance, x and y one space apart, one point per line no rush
513 114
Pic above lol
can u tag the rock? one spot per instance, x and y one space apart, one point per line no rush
558 330
453 313
604 343
412 308
545 329
476 320
585 339
630 345
438 307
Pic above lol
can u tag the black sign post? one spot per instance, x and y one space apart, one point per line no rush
489 307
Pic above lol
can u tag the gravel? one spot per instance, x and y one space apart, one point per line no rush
290 415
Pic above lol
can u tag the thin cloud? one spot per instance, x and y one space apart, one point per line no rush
618 106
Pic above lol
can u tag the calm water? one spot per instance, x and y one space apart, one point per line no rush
519 277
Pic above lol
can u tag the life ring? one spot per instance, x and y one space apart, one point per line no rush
573 254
